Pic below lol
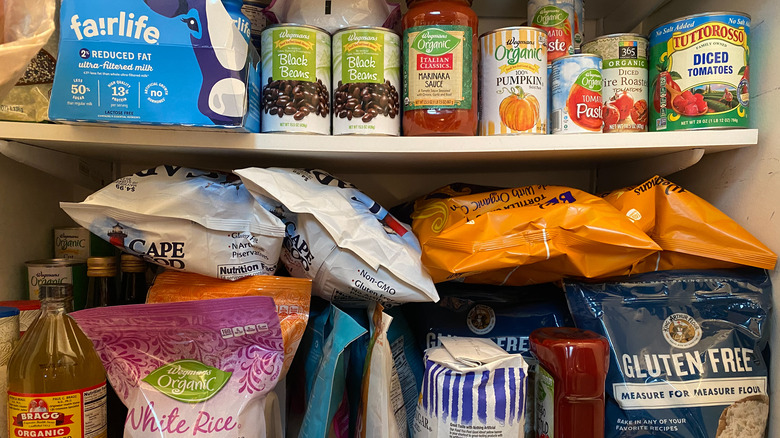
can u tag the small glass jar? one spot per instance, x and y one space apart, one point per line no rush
440 68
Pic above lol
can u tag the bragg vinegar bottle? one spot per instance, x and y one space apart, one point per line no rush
56 381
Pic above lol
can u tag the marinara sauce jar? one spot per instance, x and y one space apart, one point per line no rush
570 377
440 68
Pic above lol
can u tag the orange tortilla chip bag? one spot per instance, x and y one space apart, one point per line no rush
291 296
549 230
692 232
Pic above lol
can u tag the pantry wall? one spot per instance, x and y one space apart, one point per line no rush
744 183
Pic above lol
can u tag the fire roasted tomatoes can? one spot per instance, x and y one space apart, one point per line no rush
576 94
625 80
557 18
513 81
699 72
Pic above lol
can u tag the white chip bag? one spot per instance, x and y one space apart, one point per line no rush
185 219
353 249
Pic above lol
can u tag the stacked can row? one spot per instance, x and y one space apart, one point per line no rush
297 81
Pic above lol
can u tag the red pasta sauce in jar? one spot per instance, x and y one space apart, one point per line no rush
440 68
570 379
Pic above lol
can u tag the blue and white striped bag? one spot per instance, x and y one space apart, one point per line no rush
471 385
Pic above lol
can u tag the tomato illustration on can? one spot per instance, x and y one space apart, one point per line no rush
576 94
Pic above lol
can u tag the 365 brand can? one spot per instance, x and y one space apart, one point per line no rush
625 80
295 78
49 271
366 80
699 72
556 17
576 94
513 81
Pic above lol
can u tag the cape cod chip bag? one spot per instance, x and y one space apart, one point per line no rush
686 346
185 219
353 249
197 368
692 232
526 235
291 296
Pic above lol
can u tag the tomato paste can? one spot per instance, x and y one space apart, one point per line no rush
624 86
699 72
79 243
49 271
513 81
366 81
556 17
576 85
296 79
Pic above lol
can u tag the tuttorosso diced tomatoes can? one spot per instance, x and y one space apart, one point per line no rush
624 80
699 72
576 85
513 81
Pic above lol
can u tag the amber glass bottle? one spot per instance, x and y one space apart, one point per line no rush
440 68
56 381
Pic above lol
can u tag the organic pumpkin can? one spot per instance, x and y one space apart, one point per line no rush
513 81
624 80
576 94
699 72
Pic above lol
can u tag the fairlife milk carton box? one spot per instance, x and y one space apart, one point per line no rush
154 62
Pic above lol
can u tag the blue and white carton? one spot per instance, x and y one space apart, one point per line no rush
472 387
155 62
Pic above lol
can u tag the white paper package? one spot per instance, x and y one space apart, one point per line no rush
473 388
333 15
353 249
185 219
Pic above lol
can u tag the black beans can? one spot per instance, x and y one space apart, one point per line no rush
296 79
366 81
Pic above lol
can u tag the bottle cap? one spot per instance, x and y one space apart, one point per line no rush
101 266
132 263
56 290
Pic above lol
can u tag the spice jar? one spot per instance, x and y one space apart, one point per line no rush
440 68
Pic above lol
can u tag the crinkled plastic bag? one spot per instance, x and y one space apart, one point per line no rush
692 232
291 295
351 247
27 26
185 219
197 368
333 15
525 235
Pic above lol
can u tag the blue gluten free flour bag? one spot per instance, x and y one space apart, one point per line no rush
688 351
159 62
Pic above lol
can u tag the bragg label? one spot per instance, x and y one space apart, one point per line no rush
556 17
625 80
576 94
513 81
80 413
699 72
437 67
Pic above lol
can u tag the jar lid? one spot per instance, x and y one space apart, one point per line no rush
5 312
132 263
56 290
101 262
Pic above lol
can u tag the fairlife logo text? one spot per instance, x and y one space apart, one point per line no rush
123 25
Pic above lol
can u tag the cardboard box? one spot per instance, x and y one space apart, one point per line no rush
155 62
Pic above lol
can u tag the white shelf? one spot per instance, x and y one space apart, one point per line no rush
226 150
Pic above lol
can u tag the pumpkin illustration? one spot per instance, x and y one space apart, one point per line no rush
519 111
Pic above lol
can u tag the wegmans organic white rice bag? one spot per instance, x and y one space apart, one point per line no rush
185 219
353 249
195 368
472 388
